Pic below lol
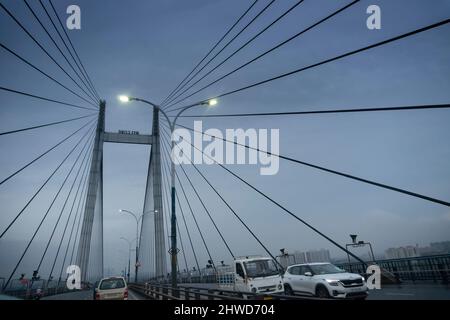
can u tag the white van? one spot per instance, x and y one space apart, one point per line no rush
256 274
113 288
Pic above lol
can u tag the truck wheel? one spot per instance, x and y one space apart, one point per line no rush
288 290
322 292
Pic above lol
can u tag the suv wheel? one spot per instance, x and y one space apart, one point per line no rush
288 290
322 292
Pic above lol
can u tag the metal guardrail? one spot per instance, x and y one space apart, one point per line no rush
435 268
428 268
164 292
198 278
28 289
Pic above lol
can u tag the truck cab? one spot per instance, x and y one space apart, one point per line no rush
258 275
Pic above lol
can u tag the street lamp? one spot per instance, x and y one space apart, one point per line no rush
124 98
173 230
129 255
212 102
137 218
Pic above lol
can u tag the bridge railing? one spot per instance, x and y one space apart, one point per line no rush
165 292
34 289
427 268
197 278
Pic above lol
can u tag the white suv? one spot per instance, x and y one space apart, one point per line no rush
324 280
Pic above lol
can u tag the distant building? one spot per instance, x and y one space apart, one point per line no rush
299 257
440 247
321 255
402 252
434 248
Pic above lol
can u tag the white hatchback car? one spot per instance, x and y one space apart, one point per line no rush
114 288
324 280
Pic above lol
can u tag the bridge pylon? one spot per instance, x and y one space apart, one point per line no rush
155 171
152 249
93 211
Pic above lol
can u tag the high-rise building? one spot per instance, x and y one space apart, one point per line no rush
402 252
416 251
321 255
440 247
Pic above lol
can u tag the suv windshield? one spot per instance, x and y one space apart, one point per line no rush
260 268
112 284
325 269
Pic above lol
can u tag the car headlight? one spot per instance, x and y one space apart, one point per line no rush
333 283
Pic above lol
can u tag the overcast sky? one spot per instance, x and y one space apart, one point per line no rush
144 48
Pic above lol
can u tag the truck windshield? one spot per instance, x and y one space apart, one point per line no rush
260 268
327 268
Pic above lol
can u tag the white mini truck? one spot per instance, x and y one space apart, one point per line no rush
257 275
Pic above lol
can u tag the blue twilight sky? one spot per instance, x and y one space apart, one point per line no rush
144 48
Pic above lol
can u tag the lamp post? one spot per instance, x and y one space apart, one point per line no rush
356 244
129 255
172 124
137 218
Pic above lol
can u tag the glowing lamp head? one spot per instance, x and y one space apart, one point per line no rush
123 98
212 102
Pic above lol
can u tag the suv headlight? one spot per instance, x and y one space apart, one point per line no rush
333 283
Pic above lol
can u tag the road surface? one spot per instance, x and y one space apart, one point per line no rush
387 292
88 295
409 291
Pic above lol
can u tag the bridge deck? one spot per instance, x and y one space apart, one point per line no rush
406 291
